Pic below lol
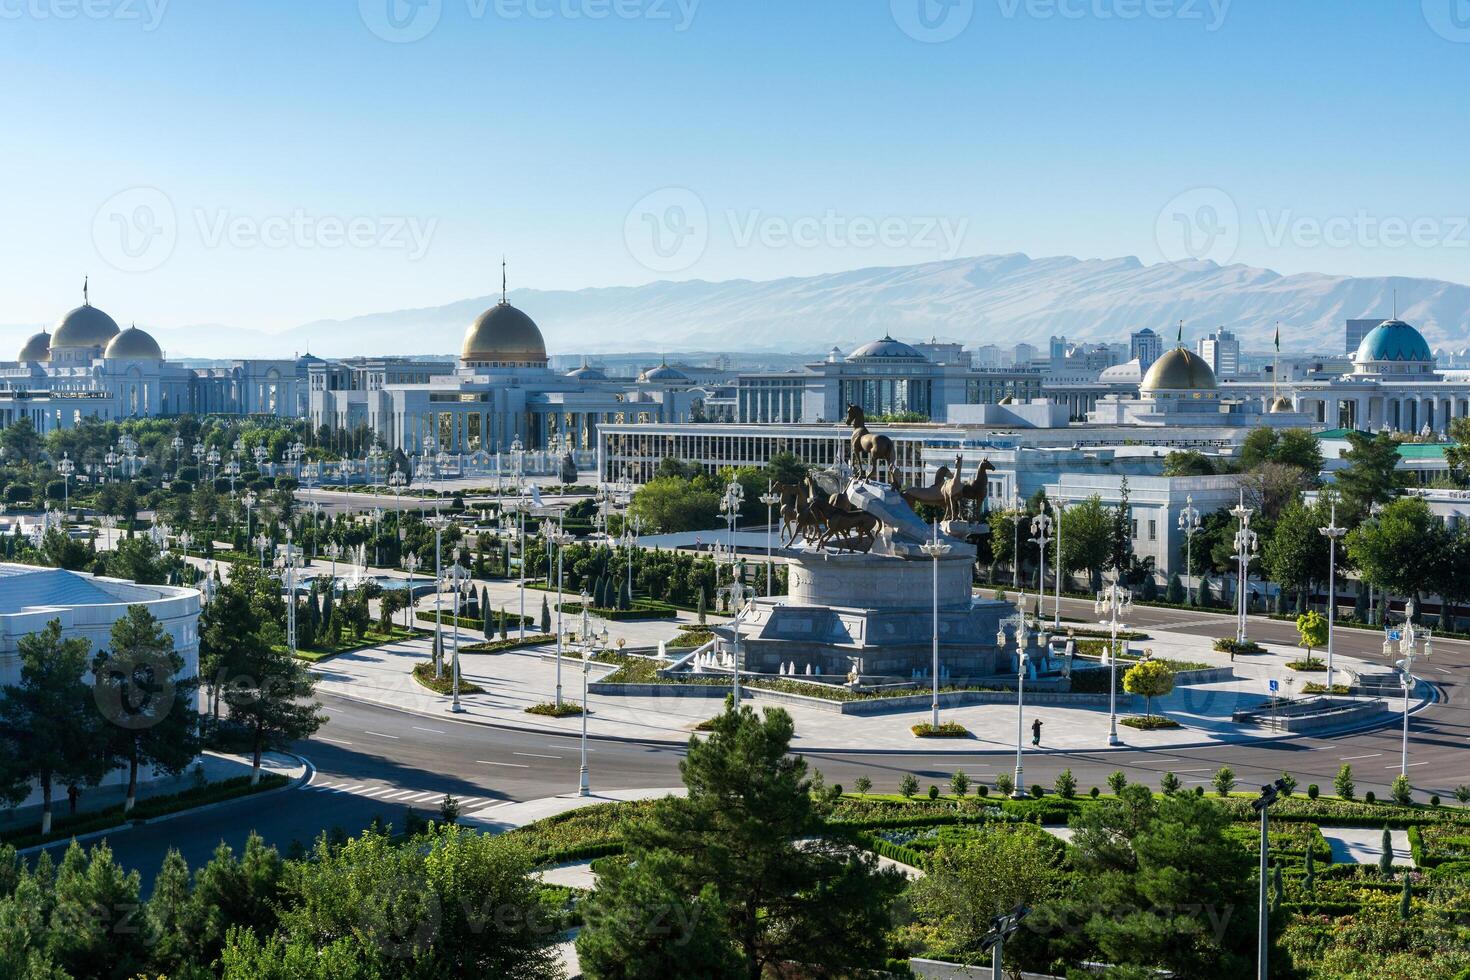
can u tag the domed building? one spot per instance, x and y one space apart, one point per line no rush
1393 350
503 338
87 367
663 375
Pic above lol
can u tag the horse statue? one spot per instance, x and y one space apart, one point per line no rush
867 445
978 489
932 495
953 492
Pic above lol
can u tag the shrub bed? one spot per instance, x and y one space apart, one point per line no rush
1148 723
499 646
642 609
551 710
424 674
948 729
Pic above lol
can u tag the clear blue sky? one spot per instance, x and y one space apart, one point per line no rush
533 128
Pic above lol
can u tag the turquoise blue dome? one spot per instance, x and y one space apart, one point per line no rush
1393 340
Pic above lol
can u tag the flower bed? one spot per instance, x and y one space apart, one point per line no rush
424 674
948 729
1148 723
550 709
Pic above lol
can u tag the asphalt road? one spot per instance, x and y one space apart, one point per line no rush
376 761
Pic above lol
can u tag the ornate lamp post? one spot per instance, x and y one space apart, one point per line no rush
631 528
262 542
1040 536
1114 602
730 505
177 445
770 498
411 562
1058 506
1189 523
1017 518
1017 623
334 551
1269 795
936 550
456 569
557 540
212 458
248 498
738 593
289 562
438 522
66 468
1333 534
1413 640
584 782
110 461
260 454
1247 548
232 473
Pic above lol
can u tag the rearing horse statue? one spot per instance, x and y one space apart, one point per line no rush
867 445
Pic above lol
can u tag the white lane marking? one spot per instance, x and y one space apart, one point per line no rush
508 765
347 787
1411 765
1351 758
431 731
397 794
339 741
1205 769
378 791
420 797
381 735
1441 670
323 785
533 755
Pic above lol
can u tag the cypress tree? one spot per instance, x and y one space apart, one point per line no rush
1405 898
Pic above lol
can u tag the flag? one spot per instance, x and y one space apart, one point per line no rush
1278 338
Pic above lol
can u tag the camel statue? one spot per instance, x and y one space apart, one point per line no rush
978 489
932 495
954 492
867 445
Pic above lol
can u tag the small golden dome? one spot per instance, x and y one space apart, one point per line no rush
1179 370
37 348
133 345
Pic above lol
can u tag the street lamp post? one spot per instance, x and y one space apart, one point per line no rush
1002 927
1058 506
1413 641
731 502
1018 517
1114 601
456 569
1189 523
738 593
1333 534
1269 795
770 498
1040 536
935 549
438 522
1021 634
558 539
631 527
262 542
1247 547
411 562
66 468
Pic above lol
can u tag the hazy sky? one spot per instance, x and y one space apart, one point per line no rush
262 163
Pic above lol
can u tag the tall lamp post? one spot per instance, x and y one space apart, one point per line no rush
1413 641
738 593
936 550
730 503
558 539
1040 536
1017 623
1114 602
584 780
631 528
411 562
438 522
1018 517
1058 506
1269 795
66 468
1333 534
770 498
1002 927
1189 523
455 570
1247 548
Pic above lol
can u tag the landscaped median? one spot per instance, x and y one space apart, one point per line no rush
349 643
425 675
148 808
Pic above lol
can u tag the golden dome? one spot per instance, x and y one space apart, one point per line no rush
504 336
38 348
1179 370
1281 404
133 345
85 326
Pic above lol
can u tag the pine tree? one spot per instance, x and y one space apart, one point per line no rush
1405 899
1311 871
545 616
1385 859
703 605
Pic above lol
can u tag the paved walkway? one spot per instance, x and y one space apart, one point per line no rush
516 680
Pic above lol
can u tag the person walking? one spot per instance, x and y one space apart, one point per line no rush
1036 732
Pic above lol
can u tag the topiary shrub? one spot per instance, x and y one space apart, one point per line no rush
1094 792
1312 791
1370 797
933 792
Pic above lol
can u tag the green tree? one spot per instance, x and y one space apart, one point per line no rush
1149 679
784 467
1342 783
1296 555
1120 558
751 828
1223 780
1311 626
1371 476
49 730
1399 551
269 695
1087 539
671 504
93 932
19 440
147 707
1188 462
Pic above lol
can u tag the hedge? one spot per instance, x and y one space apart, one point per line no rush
497 646
642 609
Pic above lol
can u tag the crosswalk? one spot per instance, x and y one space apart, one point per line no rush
386 793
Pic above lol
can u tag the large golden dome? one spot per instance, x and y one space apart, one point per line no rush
1179 370
85 326
503 336
37 348
133 345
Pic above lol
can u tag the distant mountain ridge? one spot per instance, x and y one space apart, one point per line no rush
999 299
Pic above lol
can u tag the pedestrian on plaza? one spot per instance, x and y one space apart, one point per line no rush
72 795
1036 732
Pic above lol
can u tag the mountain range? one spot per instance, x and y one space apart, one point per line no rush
992 299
